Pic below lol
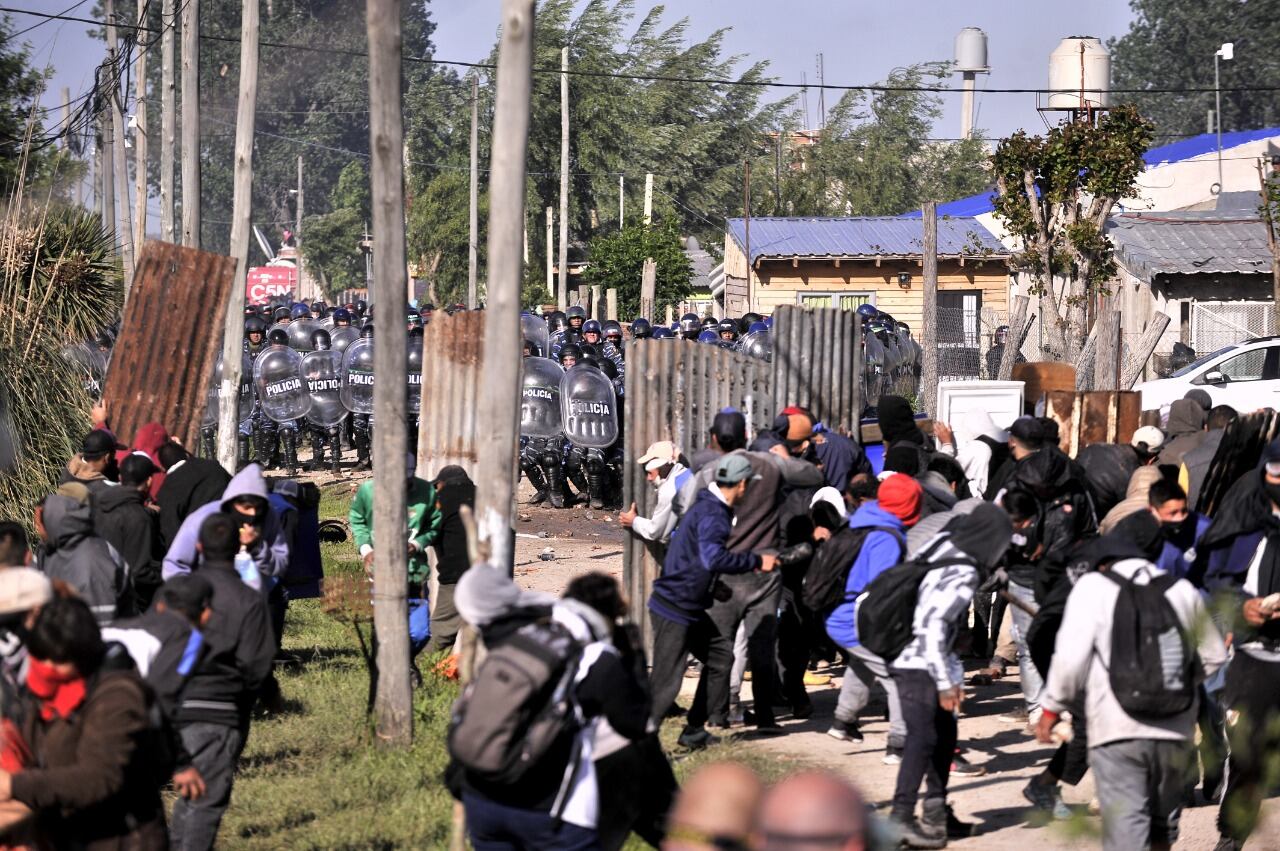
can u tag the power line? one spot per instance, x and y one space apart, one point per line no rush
663 78
49 18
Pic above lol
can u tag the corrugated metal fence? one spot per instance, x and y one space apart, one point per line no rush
164 356
817 364
452 366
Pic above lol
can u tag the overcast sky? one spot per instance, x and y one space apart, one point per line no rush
861 41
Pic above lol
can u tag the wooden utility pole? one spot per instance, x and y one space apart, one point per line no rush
119 160
140 138
500 403
929 316
305 285
622 199
473 251
168 106
393 702
551 244
746 225
648 281
563 289
241 214
107 172
648 198
191 127
1106 366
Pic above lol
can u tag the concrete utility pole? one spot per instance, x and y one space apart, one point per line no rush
191 127
168 107
551 245
140 138
563 290
241 214
929 319
648 198
304 285
622 200
473 252
107 172
119 160
500 404
393 703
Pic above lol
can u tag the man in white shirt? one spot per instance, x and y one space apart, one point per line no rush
663 469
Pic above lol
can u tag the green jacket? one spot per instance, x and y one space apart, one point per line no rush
424 523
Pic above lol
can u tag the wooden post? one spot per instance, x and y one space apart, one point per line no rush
648 282
929 317
304 286
1107 359
551 247
622 199
108 174
611 304
393 702
119 162
1134 366
168 123
563 290
746 229
500 403
191 128
140 138
241 215
1013 339
473 243
648 198
593 310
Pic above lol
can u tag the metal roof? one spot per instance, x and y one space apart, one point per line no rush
864 236
1186 149
1185 243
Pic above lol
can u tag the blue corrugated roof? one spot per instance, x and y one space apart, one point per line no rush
865 236
1186 149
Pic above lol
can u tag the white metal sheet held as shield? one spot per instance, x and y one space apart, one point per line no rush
277 378
323 373
589 407
540 414
357 377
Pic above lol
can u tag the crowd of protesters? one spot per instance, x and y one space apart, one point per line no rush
138 634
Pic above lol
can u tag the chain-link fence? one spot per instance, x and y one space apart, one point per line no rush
971 342
1215 325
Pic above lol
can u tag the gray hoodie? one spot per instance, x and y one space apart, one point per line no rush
81 559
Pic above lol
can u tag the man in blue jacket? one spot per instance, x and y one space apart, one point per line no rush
1180 527
684 592
895 509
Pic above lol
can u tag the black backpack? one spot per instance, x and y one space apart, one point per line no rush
519 705
1154 669
824 581
887 608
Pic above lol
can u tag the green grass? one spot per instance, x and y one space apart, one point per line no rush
313 777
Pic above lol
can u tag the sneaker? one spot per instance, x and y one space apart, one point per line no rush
802 711
1047 799
913 835
845 731
696 738
961 767
1017 715
937 819
892 756
812 679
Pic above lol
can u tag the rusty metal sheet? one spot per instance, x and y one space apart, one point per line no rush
164 356
452 368
1044 377
1062 406
1103 416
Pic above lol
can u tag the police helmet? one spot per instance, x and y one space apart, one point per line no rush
592 326
609 368
586 349
280 314
557 321
278 337
588 360
663 333
578 312
341 316
299 311
690 325
758 326
710 322
707 336
727 326
254 325
746 320
569 350
366 331
611 329
640 329
867 311
320 340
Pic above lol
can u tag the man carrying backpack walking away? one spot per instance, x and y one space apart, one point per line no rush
928 672
1134 646
873 542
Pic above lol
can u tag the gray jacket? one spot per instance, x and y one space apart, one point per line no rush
81 559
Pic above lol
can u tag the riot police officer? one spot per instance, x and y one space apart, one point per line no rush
569 354
275 434
641 329
576 316
690 326
541 434
320 369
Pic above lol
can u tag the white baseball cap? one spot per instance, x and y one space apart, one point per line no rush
1147 439
658 455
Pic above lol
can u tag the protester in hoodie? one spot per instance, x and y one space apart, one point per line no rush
1239 562
728 433
873 542
92 782
681 596
75 555
1026 437
1135 498
1186 431
1180 528
663 470
943 483
898 428
1139 764
454 489
1196 461
262 534
213 710
839 457
1109 467
189 483
122 518
930 676
977 443
94 466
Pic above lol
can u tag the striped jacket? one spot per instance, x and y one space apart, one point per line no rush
943 602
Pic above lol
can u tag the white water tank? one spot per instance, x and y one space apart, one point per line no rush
971 51
1080 75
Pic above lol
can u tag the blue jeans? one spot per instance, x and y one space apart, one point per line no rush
497 827
419 625
1032 684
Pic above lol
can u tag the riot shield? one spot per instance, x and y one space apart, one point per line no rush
244 398
357 377
340 338
300 331
327 322
534 329
588 407
540 398
322 372
413 369
758 344
277 377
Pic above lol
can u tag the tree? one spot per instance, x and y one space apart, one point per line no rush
330 242
439 233
1170 45
1054 193
617 260
22 139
